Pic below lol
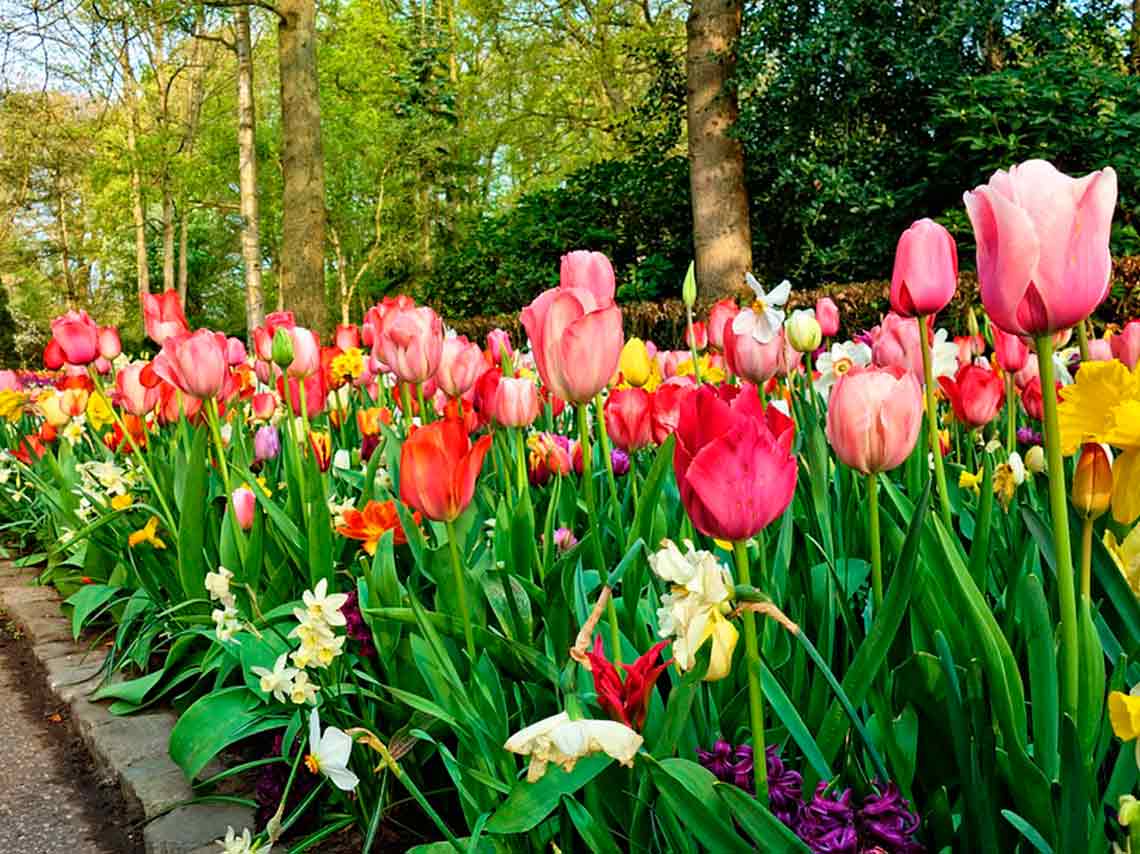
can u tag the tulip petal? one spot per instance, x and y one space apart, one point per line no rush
589 349
1008 251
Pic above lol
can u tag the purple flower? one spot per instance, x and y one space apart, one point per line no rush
885 820
266 443
827 824
785 788
355 627
367 446
620 461
718 760
564 539
1028 436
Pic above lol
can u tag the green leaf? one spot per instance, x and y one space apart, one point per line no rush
688 792
132 691
595 834
1042 653
529 804
215 722
768 832
86 601
1028 831
192 521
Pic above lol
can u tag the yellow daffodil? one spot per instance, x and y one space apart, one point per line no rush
1124 713
1007 478
121 502
709 372
99 414
12 404
1103 405
348 365
1126 555
147 534
970 480
264 487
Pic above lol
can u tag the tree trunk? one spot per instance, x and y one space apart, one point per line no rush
168 282
65 247
138 212
721 231
1134 39
302 166
183 249
194 95
247 174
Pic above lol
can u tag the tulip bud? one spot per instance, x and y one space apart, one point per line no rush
244 501
804 331
282 348
1035 459
1092 482
689 288
634 363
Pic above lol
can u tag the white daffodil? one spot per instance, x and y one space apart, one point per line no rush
279 680
226 622
73 432
837 361
338 508
342 459
329 754
218 585
320 603
302 690
765 317
944 355
244 844
562 741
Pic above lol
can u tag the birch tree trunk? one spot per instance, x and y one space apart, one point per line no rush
138 211
247 173
168 281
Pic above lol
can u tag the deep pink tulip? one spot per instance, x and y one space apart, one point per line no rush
895 343
409 340
163 317
347 336
699 339
629 418
244 503
873 418
461 363
733 462
77 337
665 413
975 393
1028 373
756 362
1043 256
827 313
926 270
195 363
53 356
235 352
109 344
499 345
516 402
575 329
263 335
133 396
262 405
10 381
103 366
1011 351
1126 344
720 318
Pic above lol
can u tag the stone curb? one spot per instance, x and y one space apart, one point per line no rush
133 750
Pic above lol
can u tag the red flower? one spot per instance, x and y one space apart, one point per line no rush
369 524
975 393
626 702
1031 399
438 469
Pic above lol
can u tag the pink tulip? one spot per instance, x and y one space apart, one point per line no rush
873 418
306 353
1100 350
499 345
163 317
133 396
1028 372
969 346
263 335
53 356
1126 345
409 340
669 360
103 366
77 337
244 503
665 413
10 381
195 363
109 344
516 402
895 343
1043 256
575 329
756 362
629 418
720 318
699 337
461 363
347 336
1010 350
827 313
235 352
263 405
926 270
264 371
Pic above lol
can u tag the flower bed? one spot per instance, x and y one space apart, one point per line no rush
503 598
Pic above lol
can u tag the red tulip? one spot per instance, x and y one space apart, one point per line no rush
626 702
629 418
133 396
194 363
109 344
575 329
172 405
315 393
77 337
697 337
1043 254
263 405
1126 345
438 469
244 502
163 317
720 318
53 356
733 462
1031 398
1011 351
827 313
347 336
975 393
461 363
409 340
516 402
926 270
873 418
665 411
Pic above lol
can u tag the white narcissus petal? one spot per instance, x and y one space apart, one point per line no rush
779 294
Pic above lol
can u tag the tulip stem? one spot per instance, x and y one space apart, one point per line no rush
596 524
1083 340
876 542
1086 560
607 456
461 590
213 417
1011 414
406 406
692 340
932 424
424 417
755 692
1062 546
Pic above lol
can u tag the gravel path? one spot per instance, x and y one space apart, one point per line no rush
50 799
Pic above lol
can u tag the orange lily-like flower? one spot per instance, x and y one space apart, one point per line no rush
147 534
369 524
322 448
370 419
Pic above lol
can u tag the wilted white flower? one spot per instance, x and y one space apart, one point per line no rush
562 741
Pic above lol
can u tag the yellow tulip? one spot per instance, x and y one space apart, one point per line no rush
635 365
1092 482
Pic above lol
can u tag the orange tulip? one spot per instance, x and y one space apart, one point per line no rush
438 469
369 524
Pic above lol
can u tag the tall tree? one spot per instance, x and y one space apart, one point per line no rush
721 232
247 171
138 209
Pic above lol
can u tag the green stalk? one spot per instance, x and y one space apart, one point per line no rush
596 522
1058 504
1086 560
755 692
692 343
876 541
406 405
1011 414
461 589
213 416
520 457
607 457
932 424
424 417
1083 340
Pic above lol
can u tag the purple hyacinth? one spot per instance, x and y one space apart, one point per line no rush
1028 436
354 626
827 824
785 789
718 760
734 765
620 461
885 820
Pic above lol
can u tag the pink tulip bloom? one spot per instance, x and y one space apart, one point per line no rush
103 366
1126 345
109 344
699 339
629 418
1100 350
1043 255
347 336
665 413
516 402
720 318
895 343
1028 372
499 345
244 503
306 353
461 363
195 363
409 340
263 335
262 405
926 270
756 362
10 381
575 329
163 317
235 352
873 418
77 337
669 360
133 396
1011 351
827 313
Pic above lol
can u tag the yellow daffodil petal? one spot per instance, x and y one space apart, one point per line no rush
121 502
724 637
1124 712
1126 487
1087 412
